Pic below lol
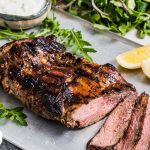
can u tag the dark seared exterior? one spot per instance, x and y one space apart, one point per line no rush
49 80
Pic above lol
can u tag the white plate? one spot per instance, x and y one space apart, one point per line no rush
41 134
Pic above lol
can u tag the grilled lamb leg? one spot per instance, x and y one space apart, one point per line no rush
55 85
133 134
115 126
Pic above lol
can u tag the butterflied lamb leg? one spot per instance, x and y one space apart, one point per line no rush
55 85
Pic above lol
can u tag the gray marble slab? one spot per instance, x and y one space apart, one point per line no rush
41 134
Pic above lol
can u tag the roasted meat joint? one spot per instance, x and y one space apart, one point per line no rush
58 86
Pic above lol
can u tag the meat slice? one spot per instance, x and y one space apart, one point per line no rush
99 107
144 138
115 126
55 85
133 133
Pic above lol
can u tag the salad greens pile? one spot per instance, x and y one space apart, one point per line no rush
69 37
116 15
14 114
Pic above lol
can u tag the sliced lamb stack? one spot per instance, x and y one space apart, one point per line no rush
55 85
137 136
115 125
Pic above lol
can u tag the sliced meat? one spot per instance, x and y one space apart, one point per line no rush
133 133
55 85
99 107
115 126
144 137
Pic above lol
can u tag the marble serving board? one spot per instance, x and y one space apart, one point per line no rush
41 134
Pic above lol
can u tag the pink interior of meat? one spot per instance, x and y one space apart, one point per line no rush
115 125
127 142
144 142
88 113
95 110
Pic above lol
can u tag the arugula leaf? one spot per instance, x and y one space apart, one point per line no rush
69 37
7 33
142 6
14 114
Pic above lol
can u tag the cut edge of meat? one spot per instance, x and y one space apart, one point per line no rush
98 108
119 120
144 137
133 133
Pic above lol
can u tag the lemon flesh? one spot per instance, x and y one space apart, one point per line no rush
133 59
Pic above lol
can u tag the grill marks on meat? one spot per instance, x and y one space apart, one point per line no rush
107 74
53 83
37 66
115 126
133 133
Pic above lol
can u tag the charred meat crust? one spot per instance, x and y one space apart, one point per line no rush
45 77
39 67
96 148
118 87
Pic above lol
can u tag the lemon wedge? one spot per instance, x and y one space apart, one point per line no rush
146 67
133 59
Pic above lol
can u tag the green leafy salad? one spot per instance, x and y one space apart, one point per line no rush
116 15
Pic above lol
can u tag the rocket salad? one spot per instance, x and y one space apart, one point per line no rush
116 15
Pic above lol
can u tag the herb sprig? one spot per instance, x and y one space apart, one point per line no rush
14 114
69 37
116 15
